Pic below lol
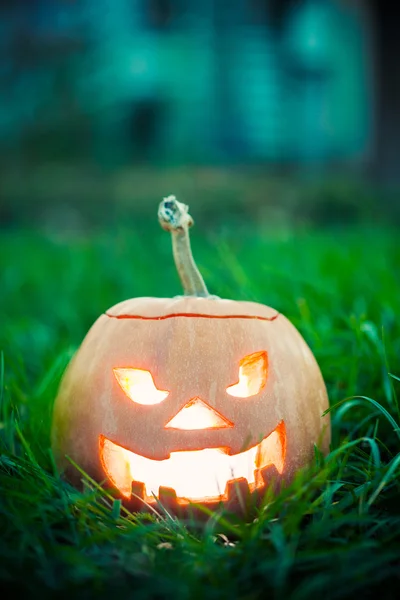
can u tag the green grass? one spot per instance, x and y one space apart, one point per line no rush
333 533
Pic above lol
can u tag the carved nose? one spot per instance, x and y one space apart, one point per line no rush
197 414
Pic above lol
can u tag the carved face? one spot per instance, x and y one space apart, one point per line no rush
201 474
190 397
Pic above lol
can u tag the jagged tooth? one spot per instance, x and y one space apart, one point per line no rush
168 498
271 477
138 489
238 492
138 494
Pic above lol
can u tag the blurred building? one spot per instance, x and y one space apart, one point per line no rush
283 81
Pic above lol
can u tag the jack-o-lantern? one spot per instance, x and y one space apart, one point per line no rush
190 399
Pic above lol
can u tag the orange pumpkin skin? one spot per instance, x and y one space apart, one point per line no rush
192 347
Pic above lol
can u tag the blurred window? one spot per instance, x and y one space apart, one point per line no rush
272 12
260 10
159 13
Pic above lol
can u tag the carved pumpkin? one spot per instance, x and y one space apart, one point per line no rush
189 399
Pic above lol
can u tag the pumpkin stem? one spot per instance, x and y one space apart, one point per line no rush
174 217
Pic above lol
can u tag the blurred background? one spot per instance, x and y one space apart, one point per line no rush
277 121
279 110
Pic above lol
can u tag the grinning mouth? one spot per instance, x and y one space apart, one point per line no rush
194 475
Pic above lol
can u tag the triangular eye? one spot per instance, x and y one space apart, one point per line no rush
253 372
139 386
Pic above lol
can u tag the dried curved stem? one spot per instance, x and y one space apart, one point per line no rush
174 217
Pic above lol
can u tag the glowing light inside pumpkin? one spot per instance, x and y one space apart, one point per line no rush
253 371
196 414
197 475
139 386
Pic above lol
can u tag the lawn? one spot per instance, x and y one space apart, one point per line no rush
333 533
